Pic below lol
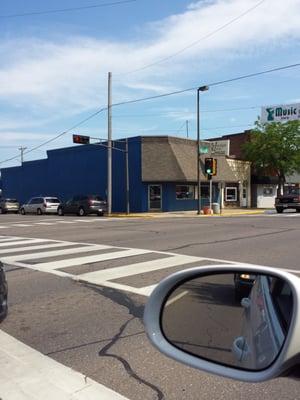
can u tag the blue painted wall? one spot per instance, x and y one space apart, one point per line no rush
78 170
83 170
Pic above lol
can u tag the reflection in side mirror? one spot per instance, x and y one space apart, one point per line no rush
236 319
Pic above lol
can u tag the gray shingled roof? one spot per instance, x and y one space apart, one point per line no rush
170 159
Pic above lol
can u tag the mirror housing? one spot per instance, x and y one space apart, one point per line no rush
289 355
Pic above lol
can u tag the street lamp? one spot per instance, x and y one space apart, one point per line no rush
200 89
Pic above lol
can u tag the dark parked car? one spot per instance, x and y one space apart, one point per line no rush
289 200
83 205
9 205
3 293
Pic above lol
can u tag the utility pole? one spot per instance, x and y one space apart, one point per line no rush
200 89
109 148
187 128
22 149
127 177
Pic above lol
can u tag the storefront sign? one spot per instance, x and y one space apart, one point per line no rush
220 148
280 113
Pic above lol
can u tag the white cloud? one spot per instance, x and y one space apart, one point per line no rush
70 76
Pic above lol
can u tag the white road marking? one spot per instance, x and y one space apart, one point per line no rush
21 225
3 227
19 241
54 253
45 223
9 238
66 222
175 298
48 266
28 374
39 247
136 269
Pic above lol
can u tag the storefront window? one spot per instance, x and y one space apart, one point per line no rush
231 194
185 192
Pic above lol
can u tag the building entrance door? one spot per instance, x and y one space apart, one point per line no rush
154 196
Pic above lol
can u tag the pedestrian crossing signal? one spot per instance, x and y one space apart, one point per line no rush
80 139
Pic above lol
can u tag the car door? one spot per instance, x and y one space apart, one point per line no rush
70 206
28 207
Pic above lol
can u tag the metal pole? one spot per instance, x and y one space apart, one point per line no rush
109 149
210 193
187 128
127 177
22 149
198 153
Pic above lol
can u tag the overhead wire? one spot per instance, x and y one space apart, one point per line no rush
157 97
62 10
208 35
57 136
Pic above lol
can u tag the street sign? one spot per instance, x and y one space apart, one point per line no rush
203 150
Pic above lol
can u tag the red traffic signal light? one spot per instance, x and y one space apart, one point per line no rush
80 139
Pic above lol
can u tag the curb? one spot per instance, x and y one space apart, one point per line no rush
163 215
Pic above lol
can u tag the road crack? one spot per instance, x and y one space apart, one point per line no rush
137 312
228 240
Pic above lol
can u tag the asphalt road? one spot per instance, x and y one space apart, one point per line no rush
97 328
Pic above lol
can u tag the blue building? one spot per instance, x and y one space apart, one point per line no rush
162 175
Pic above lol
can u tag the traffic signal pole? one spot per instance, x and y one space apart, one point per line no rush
198 153
109 148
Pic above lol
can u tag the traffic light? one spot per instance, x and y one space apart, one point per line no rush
80 139
209 166
215 164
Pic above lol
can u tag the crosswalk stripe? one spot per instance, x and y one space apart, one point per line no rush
138 268
45 223
9 239
22 225
39 247
54 253
48 266
19 241
66 222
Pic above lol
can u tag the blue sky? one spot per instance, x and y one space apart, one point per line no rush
53 68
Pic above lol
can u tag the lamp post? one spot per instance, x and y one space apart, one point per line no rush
200 89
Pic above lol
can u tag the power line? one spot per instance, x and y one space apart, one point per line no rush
57 136
162 60
157 97
62 10
208 84
172 113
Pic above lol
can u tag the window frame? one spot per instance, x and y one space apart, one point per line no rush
236 193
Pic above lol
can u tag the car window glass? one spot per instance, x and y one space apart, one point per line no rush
52 200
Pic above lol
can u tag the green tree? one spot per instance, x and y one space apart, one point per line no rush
275 148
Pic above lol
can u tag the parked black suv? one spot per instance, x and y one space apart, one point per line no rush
290 199
83 205
3 293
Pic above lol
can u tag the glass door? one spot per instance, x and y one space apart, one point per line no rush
154 195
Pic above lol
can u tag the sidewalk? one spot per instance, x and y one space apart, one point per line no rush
27 374
192 214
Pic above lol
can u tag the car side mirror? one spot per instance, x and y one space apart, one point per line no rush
239 322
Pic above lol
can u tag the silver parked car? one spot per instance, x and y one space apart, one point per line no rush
40 205
9 205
